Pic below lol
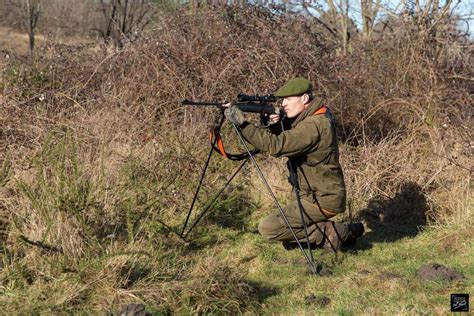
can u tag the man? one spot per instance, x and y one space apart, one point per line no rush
310 143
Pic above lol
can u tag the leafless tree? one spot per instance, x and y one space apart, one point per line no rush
369 11
28 12
338 16
333 15
430 12
125 18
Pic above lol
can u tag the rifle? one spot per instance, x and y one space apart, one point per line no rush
246 103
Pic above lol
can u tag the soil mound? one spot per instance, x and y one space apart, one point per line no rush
436 271
325 271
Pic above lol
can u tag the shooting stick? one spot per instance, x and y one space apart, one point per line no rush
315 268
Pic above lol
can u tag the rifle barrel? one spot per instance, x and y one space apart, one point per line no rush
189 102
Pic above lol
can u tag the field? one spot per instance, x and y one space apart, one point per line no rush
99 163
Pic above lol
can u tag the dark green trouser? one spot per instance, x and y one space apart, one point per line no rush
273 226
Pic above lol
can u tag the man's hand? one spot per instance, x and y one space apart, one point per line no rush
274 118
235 115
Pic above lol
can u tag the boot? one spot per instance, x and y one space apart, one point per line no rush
331 236
335 234
316 236
355 231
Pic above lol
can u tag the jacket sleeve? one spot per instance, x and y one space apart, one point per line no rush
299 140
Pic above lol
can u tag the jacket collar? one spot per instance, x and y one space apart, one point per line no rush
313 106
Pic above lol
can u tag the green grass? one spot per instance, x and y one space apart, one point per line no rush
382 279
86 239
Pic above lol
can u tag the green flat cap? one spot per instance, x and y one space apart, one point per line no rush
293 87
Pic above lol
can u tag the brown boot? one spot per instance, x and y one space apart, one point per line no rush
355 231
334 235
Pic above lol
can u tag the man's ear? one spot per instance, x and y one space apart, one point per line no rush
305 98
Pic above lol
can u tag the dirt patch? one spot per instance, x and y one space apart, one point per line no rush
318 300
436 271
325 270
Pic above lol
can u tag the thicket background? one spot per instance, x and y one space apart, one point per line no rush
100 161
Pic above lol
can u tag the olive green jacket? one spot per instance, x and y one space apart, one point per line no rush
312 144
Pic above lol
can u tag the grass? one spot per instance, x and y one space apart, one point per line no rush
84 237
379 280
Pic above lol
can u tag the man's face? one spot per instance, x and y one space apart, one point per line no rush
293 106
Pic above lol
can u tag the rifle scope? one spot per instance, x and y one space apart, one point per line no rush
256 98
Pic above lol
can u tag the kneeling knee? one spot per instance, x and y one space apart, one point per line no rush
268 229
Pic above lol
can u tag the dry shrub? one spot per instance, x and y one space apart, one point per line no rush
404 76
405 100
379 171
402 100
403 87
